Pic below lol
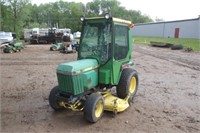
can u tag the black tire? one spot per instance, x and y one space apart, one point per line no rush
128 84
77 47
11 51
94 107
53 48
169 45
5 50
177 47
53 101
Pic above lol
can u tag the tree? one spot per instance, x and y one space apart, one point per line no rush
100 7
5 17
159 19
16 8
16 15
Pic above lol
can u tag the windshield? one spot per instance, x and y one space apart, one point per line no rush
96 41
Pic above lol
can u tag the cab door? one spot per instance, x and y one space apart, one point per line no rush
120 50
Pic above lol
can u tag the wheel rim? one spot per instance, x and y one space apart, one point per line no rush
132 86
99 108
54 48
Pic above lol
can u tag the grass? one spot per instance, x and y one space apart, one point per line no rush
186 42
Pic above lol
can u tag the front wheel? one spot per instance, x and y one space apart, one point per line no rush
11 51
53 101
128 84
53 48
5 50
94 107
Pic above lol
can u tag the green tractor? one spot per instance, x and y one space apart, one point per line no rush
57 46
13 47
104 60
60 47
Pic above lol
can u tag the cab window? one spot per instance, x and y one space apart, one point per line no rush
121 42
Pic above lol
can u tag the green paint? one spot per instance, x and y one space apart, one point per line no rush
13 47
74 77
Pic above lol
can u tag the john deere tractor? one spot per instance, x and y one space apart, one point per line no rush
103 64
57 46
13 47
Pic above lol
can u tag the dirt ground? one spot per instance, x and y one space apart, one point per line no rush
167 100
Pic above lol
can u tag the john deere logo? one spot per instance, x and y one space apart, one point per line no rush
89 81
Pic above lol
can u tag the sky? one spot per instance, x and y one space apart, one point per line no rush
167 10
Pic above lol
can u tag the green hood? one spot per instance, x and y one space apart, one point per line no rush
77 67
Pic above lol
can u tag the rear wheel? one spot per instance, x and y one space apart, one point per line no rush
94 107
128 84
53 101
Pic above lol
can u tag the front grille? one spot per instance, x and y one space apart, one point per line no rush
72 84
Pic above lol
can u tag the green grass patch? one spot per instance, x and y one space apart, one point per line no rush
186 42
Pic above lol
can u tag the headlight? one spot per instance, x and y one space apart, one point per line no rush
82 18
107 16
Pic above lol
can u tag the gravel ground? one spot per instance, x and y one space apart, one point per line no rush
167 99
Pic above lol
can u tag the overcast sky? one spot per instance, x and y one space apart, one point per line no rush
163 9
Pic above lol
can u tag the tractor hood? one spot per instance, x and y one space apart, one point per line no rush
77 76
77 67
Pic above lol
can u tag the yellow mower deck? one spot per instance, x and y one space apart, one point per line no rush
113 103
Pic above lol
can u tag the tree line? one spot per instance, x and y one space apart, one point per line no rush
16 15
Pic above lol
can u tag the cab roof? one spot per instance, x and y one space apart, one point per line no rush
113 18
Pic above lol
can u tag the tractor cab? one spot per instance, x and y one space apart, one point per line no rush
96 41
109 41
104 60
